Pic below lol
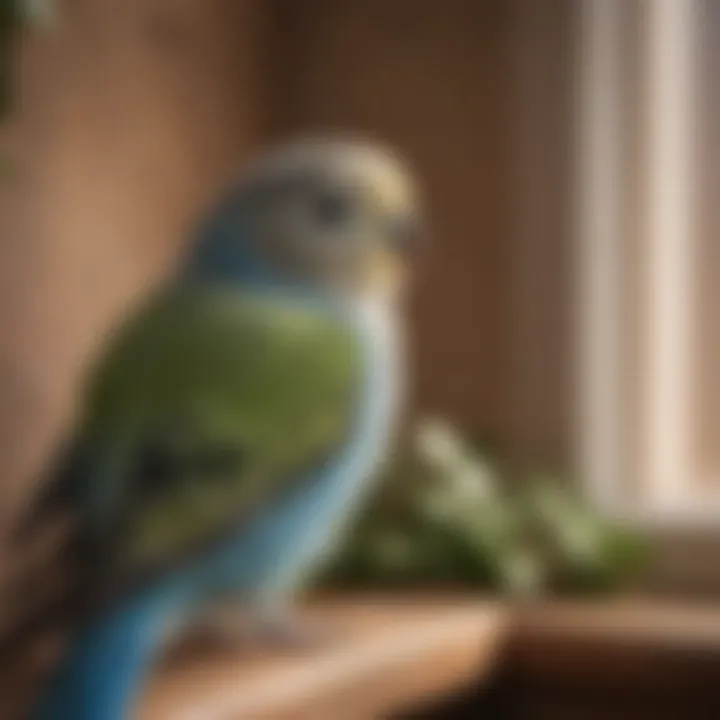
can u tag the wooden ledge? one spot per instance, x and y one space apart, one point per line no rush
389 655
647 645
645 621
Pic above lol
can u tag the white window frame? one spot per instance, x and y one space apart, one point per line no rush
669 493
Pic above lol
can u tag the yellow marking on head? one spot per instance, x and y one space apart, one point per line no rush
387 182
392 194
380 173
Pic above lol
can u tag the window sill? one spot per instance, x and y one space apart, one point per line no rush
391 655
396 654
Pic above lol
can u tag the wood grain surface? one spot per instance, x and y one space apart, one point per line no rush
378 656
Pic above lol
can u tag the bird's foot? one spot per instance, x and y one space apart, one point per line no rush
232 629
292 633
220 630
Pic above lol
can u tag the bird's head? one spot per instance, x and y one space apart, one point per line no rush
332 214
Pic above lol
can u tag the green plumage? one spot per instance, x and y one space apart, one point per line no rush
208 405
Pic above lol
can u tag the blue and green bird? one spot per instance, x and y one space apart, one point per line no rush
232 427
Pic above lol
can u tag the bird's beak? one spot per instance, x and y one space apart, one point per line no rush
386 271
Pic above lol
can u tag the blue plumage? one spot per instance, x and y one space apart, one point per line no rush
108 661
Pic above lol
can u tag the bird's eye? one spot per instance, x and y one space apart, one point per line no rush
333 209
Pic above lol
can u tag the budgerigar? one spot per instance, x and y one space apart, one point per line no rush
234 423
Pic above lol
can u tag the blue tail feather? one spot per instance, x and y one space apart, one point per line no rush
105 668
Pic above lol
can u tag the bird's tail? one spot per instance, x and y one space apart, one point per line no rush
107 663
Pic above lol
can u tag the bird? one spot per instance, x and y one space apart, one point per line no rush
233 424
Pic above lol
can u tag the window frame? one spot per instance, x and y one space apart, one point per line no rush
647 483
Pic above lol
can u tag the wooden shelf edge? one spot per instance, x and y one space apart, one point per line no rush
394 656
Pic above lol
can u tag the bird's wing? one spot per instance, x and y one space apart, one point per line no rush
208 405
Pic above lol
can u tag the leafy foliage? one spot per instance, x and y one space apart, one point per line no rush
444 517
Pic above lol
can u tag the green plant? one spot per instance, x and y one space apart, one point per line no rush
445 516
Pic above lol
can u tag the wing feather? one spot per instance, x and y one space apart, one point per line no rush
208 406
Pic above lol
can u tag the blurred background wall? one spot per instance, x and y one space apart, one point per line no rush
446 82
128 116
131 114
